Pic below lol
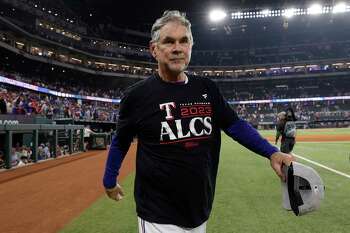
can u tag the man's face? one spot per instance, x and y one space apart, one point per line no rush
173 50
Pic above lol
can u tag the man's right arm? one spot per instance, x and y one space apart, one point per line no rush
113 164
120 143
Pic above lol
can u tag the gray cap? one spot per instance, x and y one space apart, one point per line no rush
303 190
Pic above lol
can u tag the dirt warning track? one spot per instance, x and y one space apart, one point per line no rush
44 197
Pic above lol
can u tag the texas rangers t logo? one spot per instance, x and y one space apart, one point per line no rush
168 110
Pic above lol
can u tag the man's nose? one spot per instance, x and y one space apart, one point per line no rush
177 47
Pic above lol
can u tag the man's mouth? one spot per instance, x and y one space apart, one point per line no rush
177 59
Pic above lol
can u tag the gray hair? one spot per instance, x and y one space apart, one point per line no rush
170 16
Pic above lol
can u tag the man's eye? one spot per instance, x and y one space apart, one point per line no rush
168 42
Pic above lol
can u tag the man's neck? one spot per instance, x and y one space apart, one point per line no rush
172 78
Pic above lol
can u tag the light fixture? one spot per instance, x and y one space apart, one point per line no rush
217 15
339 8
288 13
314 9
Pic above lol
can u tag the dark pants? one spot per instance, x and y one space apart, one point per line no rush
287 145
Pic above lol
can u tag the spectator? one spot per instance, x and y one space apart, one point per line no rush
41 153
47 153
59 151
2 160
26 154
14 158
3 105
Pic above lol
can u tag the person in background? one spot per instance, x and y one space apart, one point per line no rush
286 127
3 105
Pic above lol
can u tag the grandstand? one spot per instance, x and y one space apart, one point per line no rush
60 65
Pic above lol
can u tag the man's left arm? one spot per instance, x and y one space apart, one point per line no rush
245 134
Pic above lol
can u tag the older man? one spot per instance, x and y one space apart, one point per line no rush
178 121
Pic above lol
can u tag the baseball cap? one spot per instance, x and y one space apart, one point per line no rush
303 190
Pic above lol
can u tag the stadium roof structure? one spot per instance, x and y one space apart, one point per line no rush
141 14
244 24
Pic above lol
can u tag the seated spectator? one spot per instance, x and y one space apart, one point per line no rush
14 158
66 149
41 153
26 154
59 151
3 105
2 160
47 153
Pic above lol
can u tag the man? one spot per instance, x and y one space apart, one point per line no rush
177 120
287 128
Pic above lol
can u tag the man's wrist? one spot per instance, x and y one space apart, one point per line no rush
111 189
274 151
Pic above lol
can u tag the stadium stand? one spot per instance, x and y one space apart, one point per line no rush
72 71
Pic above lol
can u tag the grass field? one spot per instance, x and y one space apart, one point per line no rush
248 195
344 131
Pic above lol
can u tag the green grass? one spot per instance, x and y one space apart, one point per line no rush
327 131
333 154
248 197
108 216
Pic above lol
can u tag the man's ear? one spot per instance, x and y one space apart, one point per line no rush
152 49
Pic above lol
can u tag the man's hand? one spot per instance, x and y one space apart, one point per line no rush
115 193
277 160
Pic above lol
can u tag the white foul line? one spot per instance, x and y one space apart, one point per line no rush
323 166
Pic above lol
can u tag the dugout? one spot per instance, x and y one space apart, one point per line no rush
25 132
97 134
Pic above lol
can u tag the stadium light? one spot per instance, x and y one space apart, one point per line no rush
237 15
265 13
339 8
314 9
288 13
217 15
